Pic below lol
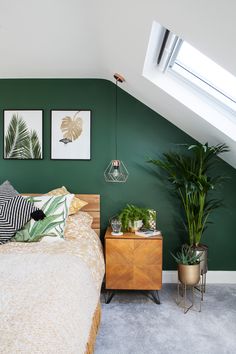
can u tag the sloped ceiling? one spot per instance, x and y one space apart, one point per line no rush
91 38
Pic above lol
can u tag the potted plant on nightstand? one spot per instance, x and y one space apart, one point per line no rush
193 179
133 217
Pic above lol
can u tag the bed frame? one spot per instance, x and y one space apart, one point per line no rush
92 208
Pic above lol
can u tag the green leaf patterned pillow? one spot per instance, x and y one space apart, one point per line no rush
56 211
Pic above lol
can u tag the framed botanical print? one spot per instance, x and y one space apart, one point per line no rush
71 134
23 134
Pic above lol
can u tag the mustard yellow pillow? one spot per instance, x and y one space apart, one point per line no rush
76 203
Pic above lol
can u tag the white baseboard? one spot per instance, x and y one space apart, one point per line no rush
213 277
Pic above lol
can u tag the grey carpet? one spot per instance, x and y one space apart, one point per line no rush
133 324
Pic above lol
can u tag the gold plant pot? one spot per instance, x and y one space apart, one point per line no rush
189 274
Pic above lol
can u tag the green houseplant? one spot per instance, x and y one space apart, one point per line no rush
194 180
187 256
133 217
188 261
190 175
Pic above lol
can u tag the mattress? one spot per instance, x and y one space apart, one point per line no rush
49 292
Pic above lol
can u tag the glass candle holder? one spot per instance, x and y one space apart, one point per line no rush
116 227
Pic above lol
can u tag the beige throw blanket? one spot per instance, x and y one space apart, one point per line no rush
48 294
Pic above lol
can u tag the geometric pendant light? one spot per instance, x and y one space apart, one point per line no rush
116 171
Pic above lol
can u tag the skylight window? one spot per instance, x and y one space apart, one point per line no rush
207 90
189 64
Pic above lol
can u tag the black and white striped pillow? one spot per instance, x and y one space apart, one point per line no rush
15 212
7 192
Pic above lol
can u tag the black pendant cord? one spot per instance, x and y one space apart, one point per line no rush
116 121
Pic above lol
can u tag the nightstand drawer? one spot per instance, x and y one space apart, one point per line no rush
133 264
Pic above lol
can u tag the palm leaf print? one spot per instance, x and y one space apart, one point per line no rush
16 138
32 149
20 143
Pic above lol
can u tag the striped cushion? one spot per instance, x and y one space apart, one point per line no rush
15 212
6 192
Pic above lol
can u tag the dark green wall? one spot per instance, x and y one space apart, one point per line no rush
142 133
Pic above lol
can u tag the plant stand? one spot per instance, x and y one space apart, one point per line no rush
203 275
202 287
188 302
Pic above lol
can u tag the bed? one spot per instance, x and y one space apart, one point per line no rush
49 292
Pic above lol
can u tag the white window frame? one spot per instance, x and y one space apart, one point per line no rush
197 101
167 54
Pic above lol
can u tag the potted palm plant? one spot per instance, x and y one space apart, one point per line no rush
133 217
191 175
188 261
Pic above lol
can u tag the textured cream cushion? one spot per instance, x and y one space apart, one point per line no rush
76 203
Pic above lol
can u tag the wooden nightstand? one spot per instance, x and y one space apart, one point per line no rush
133 263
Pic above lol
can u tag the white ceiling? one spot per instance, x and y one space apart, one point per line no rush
94 39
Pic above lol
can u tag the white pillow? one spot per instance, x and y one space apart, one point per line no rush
56 210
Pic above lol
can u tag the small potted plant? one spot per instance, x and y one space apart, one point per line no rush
188 261
133 217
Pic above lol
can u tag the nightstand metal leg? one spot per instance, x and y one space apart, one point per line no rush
108 295
154 296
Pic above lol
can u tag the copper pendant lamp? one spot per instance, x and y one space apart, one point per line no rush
116 171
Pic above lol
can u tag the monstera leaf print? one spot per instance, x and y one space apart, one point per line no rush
20 143
71 128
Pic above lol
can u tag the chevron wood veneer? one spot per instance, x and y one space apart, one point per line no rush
133 262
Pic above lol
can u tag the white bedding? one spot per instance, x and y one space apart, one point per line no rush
48 294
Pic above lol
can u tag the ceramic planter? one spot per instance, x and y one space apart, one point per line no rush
135 225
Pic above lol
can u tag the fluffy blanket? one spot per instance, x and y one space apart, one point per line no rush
48 295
